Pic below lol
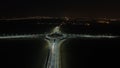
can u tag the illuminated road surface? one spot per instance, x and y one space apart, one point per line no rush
54 56
55 39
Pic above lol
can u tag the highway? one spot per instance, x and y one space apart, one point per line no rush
54 56
55 38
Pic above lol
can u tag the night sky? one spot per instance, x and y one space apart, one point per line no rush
59 8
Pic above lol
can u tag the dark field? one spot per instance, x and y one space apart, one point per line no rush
75 53
91 53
